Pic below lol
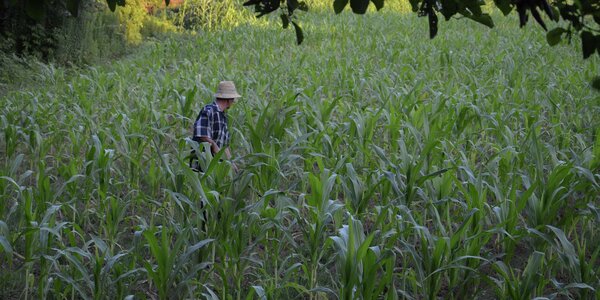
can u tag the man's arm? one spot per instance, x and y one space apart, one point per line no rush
227 153
214 148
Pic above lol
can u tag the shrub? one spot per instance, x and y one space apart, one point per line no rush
132 17
155 27
209 14
94 35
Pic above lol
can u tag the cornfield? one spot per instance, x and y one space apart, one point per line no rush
374 164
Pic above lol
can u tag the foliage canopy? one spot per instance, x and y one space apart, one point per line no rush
582 16
579 17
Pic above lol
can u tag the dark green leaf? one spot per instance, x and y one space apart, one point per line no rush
554 36
5 245
359 6
504 6
251 2
339 5
522 10
588 43
414 4
484 19
433 21
299 34
302 6
577 285
596 83
571 13
292 5
267 7
35 9
112 4
474 6
73 7
167 2
556 13
378 4
538 18
285 21
449 8
548 10
424 178
195 247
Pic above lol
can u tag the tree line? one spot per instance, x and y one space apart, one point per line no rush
579 17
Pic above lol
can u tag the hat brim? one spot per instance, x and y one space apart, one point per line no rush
227 95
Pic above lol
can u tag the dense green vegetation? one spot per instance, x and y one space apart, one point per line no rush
97 34
375 163
32 21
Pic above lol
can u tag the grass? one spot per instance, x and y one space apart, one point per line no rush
375 163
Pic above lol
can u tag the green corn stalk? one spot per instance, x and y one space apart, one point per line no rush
102 158
573 260
115 211
277 237
433 254
234 245
91 275
466 245
522 286
109 270
320 212
361 263
358 193
76 277
171 272
407 184
39 237
363 129
587 272
595 162
428 261
5 242
544 206
508 212
10 137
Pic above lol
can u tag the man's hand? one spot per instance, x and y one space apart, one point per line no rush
214 148
228 156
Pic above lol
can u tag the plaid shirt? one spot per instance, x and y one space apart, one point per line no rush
212 123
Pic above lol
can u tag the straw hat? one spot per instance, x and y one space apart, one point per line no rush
226 90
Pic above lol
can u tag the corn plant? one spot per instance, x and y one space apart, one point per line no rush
361 264
320 213
359 194
92 275
573 261
7 249
173 269
528 284
544 206
366 168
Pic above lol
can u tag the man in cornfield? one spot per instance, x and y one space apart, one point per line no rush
211 124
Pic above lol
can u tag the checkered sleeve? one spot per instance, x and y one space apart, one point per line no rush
203 125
